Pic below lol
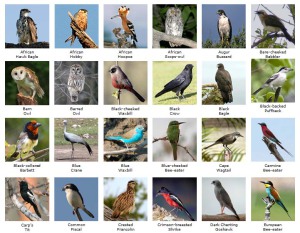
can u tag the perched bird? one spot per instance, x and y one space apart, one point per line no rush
224 82
28 139
132 136
81 19
223 198
75 200
224 28
276 80
126 24
173 201
75 82
120 81
273 24
274 195
26 28
180 83
226 140
174 24
73 138
268 134
173 133
28 196
27 82
125 202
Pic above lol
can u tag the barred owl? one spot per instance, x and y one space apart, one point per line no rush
27 82
26 28
174 23
75 81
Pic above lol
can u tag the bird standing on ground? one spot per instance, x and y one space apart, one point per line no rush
180 83
82 22
120 81
76 82
226 140
26 28
224 28
174 24
173 201
268 134
125 202
75 200
73 138
173 133
274 195
28 196
224 82
223 198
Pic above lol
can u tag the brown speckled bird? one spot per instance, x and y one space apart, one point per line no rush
82 22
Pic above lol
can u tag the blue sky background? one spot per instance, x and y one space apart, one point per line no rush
283 129
39 14
236 14
62 24
88 187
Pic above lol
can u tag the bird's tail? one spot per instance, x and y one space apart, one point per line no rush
37 210
40 92
285 149
161 93
227 97
188 214
288 36
258 90
71 38
210 146
174 147
283 207
235 213
113 138
116 213
88 147
137 95
88 212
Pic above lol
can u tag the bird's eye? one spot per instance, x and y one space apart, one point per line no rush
16 73
21 72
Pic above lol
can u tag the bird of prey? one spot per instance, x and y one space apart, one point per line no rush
223 198
26 28
224 28
82 22
180 83
226 140
224 82
276 80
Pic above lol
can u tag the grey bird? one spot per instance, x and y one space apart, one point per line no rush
226 140
180 83
223 198
224 82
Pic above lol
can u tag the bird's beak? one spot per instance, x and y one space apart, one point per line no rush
179 123
290 69
259 123
63 189
158 194
38 125
256 12
262 182
115 16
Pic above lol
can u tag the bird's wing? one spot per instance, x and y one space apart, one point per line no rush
274 21
230 30
80 197
33 29
271 135
272 78
223 80
176 199
175 82
31 196
74 138
275 194
218 22
225 197
129 134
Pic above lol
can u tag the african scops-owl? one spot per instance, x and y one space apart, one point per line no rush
174 23
75 82
26 28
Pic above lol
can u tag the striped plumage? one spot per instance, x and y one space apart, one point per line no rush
76 82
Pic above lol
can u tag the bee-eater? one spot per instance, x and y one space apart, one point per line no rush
173 133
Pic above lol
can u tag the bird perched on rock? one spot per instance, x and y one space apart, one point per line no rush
28 196
120 81
173 133
180 83
223 198
224 28
26 28
174 24
125 202
224 82
81 19
226 140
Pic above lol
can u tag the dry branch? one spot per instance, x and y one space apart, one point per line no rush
273 149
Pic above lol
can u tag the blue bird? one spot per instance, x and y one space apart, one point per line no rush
132 136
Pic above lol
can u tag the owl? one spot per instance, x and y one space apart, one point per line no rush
75 81
82 22
26 28
27 82
174 23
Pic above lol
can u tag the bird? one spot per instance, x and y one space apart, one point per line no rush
273 24
224 28
173 133
276 80
26 28
75 81
81 19
132 136
73 138
128 27
274 196
120 81
268 134
28 139
75 200
125 202
226 140
174 24
28 196
173 201
224 82
180 83
27 82
223 198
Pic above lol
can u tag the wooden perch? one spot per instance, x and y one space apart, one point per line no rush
37 45
223 217
273 149
269 205
25 100
107 215
161 214
37 154
269 36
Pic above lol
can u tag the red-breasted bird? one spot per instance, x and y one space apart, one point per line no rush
120 81
28 139
268 134
173 201
274 195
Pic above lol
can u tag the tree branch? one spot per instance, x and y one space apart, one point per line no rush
272 147
40 153
269 36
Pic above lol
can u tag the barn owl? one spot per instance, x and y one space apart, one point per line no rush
75 82
27 82
81 21
26 28
174 23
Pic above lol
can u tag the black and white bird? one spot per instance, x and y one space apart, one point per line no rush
224 28
73 138
224 82
26 28
276 80
75 200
